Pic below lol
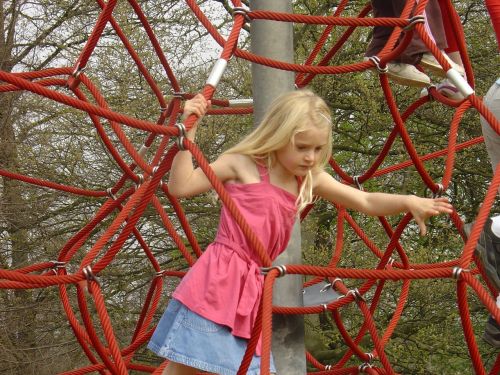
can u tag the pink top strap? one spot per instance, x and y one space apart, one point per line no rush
264 174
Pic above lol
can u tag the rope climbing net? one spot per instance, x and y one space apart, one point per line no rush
69 85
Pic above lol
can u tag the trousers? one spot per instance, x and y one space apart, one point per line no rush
491 138
413 53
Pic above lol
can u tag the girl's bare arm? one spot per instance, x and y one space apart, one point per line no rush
380 204
184 179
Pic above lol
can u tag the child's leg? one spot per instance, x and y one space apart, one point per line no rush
174 368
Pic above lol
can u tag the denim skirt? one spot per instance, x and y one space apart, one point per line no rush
185 337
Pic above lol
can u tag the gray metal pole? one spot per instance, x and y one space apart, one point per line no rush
275 40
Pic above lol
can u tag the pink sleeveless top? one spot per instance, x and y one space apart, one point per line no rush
225 284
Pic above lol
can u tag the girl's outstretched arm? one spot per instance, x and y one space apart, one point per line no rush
380 204
184 179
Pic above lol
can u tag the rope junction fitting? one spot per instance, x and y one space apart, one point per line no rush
281 268
376 61
243 12
31 81
180 138
414 21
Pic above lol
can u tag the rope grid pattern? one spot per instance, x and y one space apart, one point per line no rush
104 353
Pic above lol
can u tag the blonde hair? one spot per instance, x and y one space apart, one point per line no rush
289 114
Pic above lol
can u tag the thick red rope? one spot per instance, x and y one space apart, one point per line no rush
128 204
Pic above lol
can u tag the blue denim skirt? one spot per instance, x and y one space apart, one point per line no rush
185 337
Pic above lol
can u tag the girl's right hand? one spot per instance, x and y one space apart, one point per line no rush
198 106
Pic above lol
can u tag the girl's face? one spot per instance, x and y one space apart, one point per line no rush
302 153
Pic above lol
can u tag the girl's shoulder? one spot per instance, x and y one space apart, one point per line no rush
243 167
323 184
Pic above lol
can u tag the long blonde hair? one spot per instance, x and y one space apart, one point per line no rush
289 114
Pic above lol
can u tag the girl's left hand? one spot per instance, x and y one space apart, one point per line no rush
423 208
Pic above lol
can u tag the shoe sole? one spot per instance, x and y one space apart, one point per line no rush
437 70
405 81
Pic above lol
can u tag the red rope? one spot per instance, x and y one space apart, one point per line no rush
129 203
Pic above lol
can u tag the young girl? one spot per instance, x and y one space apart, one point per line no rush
271 176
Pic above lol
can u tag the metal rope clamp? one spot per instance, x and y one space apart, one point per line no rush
370 357
365 366
413 21
76 73
243 12
281 268
457 271
356 294
358 184
141 181
178 94
155 169
390 262
180 138
376 60
57 265
110 193
89 275
439 191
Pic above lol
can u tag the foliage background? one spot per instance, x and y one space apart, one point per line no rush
42 139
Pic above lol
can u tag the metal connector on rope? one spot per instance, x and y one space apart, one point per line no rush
356 294
460 82
141 181
457 271
155 169
336 280
180 138
364 366
76 73
281 268
413 21
439 191
358 184
89 275
216 73
110 193
429 91
243 12
57 264
376 60
178 94
158 274
240 102
390 262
